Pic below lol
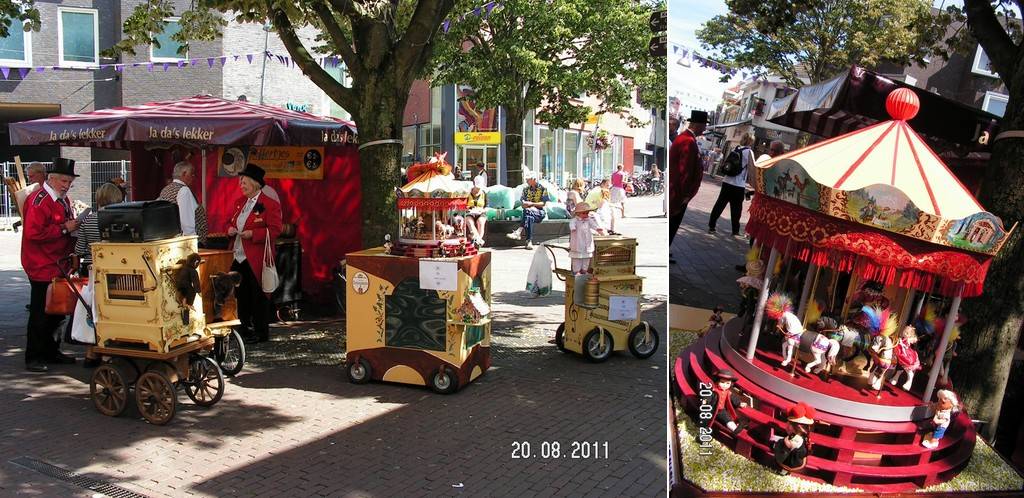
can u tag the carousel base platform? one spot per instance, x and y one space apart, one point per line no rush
859 441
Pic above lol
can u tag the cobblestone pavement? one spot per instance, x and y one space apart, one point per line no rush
291 425
704 274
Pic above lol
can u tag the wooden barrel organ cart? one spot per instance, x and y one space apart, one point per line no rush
426 299
602 312
148 340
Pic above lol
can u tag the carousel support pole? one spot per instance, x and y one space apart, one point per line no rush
933 375
907 315
809 280
761 301
919 305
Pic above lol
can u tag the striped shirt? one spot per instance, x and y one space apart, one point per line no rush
88 232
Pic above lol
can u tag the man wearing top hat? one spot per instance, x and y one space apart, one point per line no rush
49 222
685 170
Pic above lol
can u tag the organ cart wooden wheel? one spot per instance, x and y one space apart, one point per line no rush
156 397
109 390
205 383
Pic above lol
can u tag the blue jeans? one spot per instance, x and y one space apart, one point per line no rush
531 216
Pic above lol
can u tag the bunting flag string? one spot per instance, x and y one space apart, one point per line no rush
482 11
210 62
688 56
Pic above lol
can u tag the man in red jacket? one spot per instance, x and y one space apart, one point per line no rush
685 168
49 222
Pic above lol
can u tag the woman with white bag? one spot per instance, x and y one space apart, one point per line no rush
255 226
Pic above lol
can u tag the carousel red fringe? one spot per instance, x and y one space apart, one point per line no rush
889 258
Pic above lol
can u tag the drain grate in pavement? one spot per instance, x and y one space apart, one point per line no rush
81 481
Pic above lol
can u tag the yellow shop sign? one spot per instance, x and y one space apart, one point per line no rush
485 137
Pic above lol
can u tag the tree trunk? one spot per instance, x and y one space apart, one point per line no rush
514 145
989 338
380 118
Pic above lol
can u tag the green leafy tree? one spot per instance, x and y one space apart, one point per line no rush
385 46
539 54
813 40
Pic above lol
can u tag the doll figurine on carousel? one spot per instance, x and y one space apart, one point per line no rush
780 308
906 357
791 451
881 324
725 403
945 407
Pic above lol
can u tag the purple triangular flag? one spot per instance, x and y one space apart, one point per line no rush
476 12
23 71
119 68
149 67
489 7
209 61
40 69
193 61
287 61
249 58
223 59
181 64
445 25
168 64
6 71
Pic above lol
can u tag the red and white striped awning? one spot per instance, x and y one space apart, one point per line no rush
194 121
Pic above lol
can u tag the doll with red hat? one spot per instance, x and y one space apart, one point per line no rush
791 451
725 403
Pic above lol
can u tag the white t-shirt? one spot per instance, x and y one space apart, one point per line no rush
740 180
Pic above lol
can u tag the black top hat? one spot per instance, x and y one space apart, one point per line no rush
724 374
698 117
254 172
62 166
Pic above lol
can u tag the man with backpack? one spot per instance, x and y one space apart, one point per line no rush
735 167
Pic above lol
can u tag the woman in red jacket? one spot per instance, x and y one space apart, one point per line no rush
255 223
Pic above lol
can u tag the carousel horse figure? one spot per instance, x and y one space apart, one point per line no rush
780 308
825 348
906 357
931 325
882 325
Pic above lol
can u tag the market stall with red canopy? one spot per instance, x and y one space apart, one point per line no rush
311 162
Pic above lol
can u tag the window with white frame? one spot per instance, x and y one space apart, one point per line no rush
529 144
982 64
995 103
78 37
168 50
16 47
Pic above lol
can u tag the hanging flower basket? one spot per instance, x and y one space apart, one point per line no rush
599 141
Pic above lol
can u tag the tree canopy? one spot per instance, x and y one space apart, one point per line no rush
545 55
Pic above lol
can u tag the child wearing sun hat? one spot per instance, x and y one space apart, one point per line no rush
581 237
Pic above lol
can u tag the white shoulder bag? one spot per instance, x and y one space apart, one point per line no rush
270 279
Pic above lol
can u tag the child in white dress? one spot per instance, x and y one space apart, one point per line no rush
581 237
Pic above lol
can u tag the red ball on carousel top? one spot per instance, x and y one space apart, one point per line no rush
902 104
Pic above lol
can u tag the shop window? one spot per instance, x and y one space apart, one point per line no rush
340 74
547 154
16 48
430 141
168 49
408 145
78 34
572 154
995 103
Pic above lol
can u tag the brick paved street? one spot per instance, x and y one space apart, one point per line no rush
291 424
704 274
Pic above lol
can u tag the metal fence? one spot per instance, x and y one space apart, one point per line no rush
101 172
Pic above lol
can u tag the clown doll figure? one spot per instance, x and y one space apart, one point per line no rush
581 237
906 357
791 451
780 308
945 407
882 324
725 403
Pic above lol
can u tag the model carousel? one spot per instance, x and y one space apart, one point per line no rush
424 302
865 241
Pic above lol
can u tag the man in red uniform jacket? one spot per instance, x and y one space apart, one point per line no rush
48 224
685 168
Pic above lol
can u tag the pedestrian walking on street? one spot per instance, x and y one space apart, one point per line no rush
619 190
736 168
255 225
49 222
684 170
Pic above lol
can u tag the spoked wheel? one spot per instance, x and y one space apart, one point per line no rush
155 397
359 371
230 353
643 341
560 338
109 390
443 381
593 349
205 384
